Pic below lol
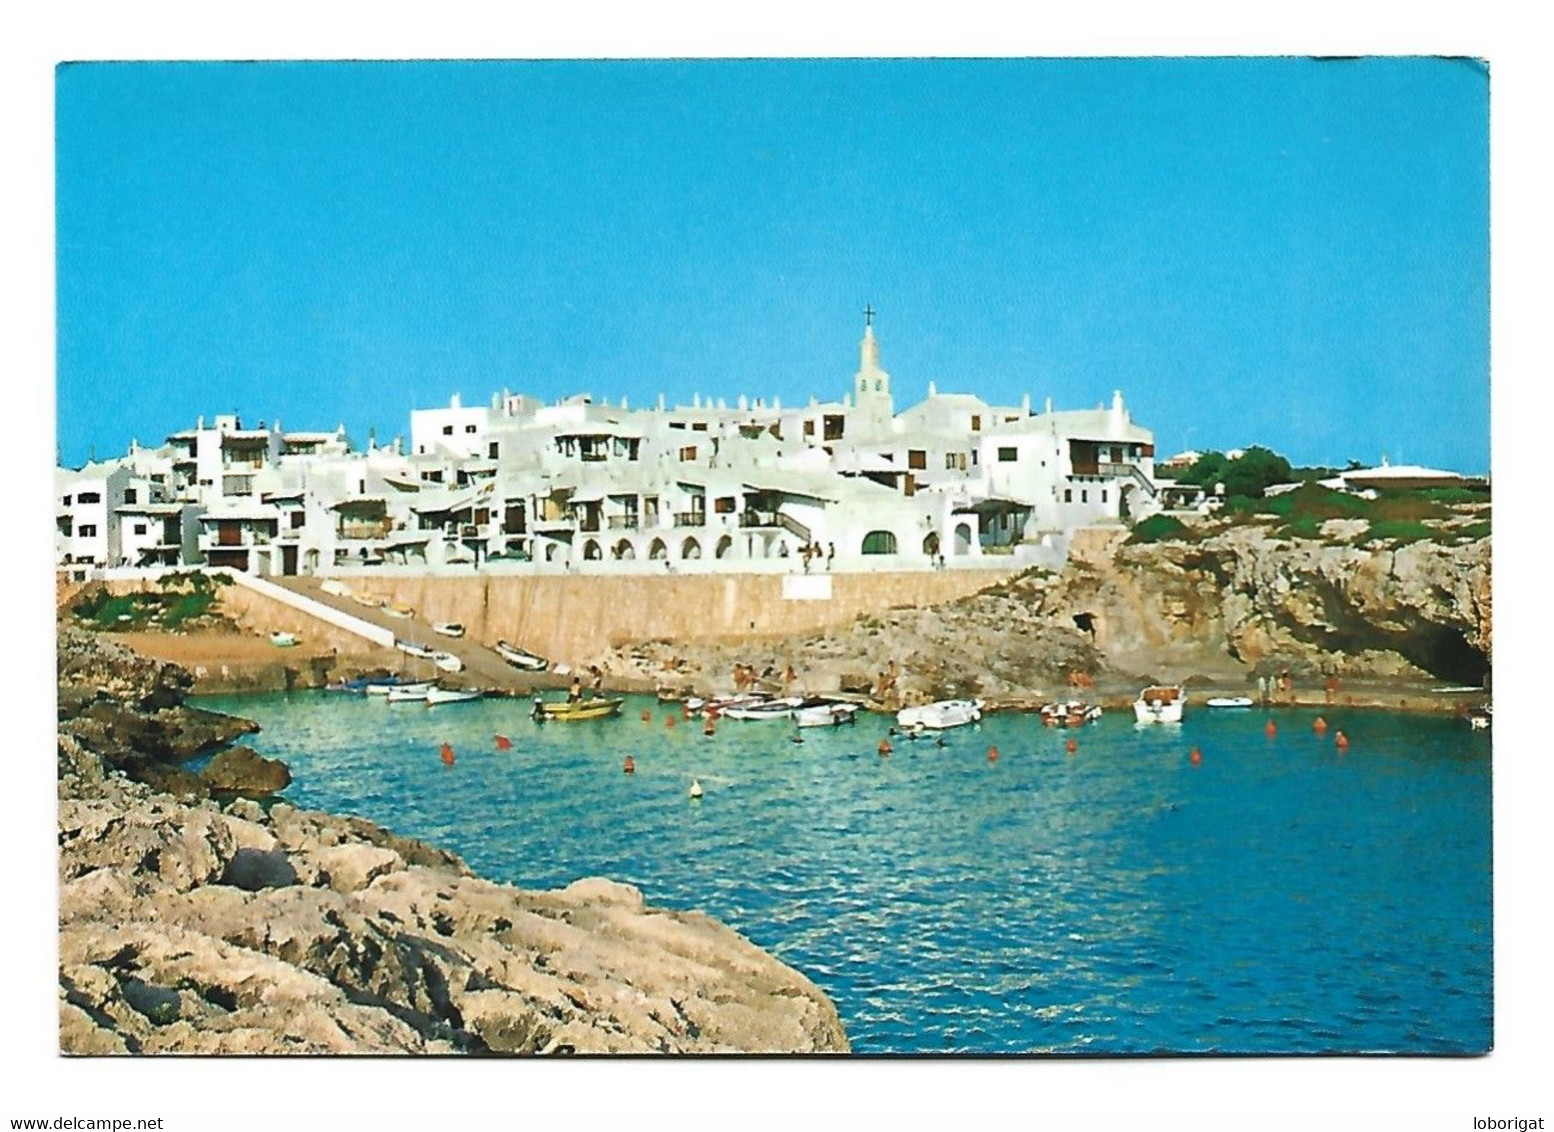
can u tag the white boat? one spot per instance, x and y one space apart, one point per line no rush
406 693
399 611
765 709
722 705
447 662
521 658
383 687
452 695
338 589
940 715
1160 704
1229 701
1481 717
448 628
283 640
410 648
826 715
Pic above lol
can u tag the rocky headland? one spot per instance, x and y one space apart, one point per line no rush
1213 609
194 919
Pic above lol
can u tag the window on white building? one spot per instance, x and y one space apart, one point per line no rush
1008 455
87 530
140 528
469 428
130 496
89 497
1084 497
447 430
687 454
1068 495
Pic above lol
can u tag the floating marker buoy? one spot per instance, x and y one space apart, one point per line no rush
884 747
630 766
798 738
647 716
1319 725
503 743
1071 746
992 754
447 755
1195 757
1342 741
1271 729
695 789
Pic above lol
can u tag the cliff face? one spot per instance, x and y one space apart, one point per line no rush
192 927
1240 596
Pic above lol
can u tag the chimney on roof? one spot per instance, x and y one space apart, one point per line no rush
660 402
933 390
453 402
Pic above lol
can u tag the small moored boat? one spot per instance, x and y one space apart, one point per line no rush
438 695
1069 713
408 693
447 662
383 685
571 711
521 658
826 715
410 648
764 709
399 611
1229 701
448 628
1160 704
283 640
941 715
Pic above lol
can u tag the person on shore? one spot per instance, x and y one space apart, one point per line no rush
575 692
830 555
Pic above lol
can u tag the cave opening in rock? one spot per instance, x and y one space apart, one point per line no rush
1444 652
1085 623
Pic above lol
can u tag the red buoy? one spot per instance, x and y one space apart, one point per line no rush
1319 725
503 743
1342 741
1195 757
1271 729
447 755
631 765
992 754
669 720
1071 746
884 747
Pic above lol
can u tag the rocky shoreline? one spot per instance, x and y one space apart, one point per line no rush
195 920
1394 626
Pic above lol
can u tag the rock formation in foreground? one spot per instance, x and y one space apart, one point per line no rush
187 926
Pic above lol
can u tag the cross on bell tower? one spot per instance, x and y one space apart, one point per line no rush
871 384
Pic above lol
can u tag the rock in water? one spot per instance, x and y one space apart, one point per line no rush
242 770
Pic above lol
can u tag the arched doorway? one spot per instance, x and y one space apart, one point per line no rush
624 551
725 544
931 544
657 549
690 548
591 551
963 538
879 542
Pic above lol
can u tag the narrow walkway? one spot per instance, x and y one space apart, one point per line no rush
483 668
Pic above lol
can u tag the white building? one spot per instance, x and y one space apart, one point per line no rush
520 485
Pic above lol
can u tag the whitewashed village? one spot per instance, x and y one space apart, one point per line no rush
584 486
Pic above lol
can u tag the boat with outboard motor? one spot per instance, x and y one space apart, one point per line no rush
829 714
410 693
440 695
1160 704
568 711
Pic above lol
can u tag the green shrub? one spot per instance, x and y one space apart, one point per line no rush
1399 531
1158 528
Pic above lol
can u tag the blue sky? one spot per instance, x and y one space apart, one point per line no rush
1278 251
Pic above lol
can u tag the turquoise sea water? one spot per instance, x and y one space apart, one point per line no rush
1281 897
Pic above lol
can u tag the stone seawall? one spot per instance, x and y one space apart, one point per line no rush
580 618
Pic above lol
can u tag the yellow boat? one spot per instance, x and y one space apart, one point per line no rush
563 711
